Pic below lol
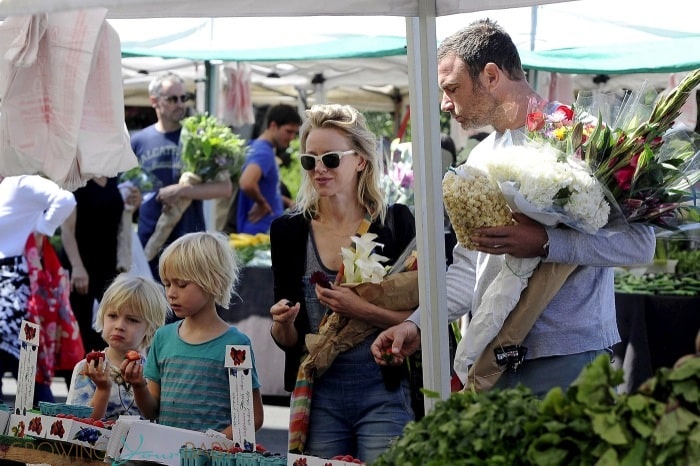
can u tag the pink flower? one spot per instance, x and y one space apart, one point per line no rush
563 113
535 121
402 175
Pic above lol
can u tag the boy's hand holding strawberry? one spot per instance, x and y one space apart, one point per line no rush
132 369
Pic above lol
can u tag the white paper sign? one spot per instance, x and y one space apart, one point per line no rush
161 444
29 350
240 375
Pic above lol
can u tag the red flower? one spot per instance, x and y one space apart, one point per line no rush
624 175
535 121
567 111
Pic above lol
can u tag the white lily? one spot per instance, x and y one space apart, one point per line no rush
360 263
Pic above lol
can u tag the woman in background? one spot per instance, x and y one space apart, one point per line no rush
29 205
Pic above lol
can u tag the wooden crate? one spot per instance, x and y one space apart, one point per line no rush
51 452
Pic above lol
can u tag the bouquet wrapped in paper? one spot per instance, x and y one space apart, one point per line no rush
210 152
144 182
363 272
473 200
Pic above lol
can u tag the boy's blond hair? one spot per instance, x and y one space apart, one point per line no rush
205 259
142 296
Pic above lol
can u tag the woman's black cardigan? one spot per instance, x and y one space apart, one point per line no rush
288 237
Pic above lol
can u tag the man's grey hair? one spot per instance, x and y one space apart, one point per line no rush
156 86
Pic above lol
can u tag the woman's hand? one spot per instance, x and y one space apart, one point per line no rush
342 300
79 279
284 312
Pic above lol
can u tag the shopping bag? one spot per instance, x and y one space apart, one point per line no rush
505 350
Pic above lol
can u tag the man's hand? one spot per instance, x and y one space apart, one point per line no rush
523 239
401 341
258 211
170 194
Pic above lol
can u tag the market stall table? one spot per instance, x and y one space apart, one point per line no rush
655 331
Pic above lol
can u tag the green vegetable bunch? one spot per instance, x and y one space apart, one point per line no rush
209 148
143 180
658 284
589 424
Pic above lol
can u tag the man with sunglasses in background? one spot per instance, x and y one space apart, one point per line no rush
260 198
157 148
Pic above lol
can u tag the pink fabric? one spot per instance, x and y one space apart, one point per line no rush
62 98
238 105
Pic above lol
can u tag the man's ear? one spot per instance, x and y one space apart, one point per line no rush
491 76
153 100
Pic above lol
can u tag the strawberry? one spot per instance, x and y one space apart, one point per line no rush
319 278
94 356
388 355
133 355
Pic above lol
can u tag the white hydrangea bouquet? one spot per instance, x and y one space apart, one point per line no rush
536 179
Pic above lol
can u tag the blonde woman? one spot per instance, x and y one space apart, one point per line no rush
356 408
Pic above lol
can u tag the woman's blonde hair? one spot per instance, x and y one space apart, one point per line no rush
352 124
205 259
143 297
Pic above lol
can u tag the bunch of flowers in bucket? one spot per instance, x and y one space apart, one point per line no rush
210 151
573 169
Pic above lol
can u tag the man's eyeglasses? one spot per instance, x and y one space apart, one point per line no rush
174 98
329 159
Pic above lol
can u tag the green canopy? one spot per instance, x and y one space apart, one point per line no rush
663 56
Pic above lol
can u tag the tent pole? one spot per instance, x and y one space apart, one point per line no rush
430 235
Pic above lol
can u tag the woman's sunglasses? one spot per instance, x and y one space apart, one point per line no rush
329 159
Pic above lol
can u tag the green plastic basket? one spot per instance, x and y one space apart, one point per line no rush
54 409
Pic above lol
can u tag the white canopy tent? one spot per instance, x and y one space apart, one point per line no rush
358 60
362 60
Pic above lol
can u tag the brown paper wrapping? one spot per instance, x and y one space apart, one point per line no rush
169 218
545 282
397 292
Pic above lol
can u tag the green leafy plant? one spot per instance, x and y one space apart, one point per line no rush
143 180
588 424
209 148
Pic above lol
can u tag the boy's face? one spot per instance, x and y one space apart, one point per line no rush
186 298
123 330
